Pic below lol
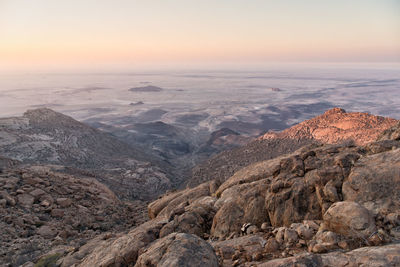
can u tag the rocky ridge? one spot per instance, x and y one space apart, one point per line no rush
339 198
333 127
42 136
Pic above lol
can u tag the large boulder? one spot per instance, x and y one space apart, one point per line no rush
178 249
240 204
350 219
164 206
375 182
120 251
193 219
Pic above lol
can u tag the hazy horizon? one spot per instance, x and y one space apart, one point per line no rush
102 34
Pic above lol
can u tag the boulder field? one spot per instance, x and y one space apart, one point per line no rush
322 205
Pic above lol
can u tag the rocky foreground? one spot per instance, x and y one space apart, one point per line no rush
323 205
40 209
286 199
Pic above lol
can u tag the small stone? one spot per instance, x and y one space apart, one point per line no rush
344 245
290 236
319 248
25 200
311 224
37 193
57 213
265 226
304 232
64 202
45 203
3 203
46 231
252 229
20 191
272 245
279 236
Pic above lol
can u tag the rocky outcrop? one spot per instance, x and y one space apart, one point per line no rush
119 251
43 136
336 125
41 209
178 250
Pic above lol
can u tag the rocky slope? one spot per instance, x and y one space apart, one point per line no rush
43 136
41 209
332 127
335 126
322 205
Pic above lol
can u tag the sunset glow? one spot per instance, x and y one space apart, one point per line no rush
45 32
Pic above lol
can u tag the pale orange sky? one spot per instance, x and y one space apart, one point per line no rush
56 33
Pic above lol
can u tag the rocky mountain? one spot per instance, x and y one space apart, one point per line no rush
43 136
336 125
322 205
333 127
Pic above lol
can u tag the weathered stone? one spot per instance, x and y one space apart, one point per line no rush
57 213
375 182
178 249
350 219
25 200
46 231
290 236
64 202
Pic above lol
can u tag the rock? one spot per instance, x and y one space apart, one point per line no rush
327 237
350 219
290 236
46 232
242 203
319 248
64 202
37 193
392 133
178 249
116 252
57 213
236 248
393 218
25 200
367 256
252 229
265 226
304 232
272 245
374 182
336 125
10 200
3 203
163 206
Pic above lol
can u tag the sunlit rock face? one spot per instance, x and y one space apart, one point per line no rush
336 125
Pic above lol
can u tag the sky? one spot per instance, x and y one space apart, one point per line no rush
37 33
